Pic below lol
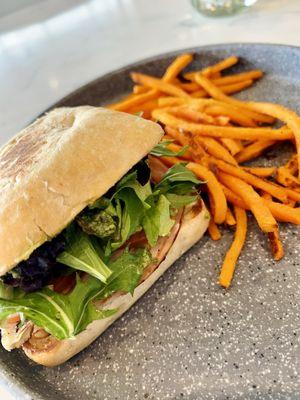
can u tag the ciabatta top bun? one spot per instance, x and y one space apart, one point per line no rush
59 164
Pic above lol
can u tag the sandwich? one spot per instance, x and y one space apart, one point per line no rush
90 218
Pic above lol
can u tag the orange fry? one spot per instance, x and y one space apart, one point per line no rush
290 118
222 131
254 150
236 117
213 230
177 66
233 145
276 245
261 212
284 177
192 115
226 89
281 212
274 238
292 164
230 220
275 190
218 94
208 71
244 76
134 101
233 253
262 172
158 84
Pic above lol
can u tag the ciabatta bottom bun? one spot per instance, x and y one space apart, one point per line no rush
193 225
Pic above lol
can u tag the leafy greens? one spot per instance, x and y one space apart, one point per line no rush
161 149
130 208
66 315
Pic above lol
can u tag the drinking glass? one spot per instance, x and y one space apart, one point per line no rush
221 7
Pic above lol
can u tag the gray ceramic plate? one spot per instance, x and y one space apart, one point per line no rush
187 338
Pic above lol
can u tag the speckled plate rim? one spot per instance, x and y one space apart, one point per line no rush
15 385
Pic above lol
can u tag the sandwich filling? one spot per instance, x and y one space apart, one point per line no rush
112 246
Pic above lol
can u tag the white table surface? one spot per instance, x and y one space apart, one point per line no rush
48 48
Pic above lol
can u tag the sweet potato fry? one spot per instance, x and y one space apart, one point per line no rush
274 238
233 253
177 66
244 76
218 94
262 172
254 150
233 145
213 230
290 118
285 178
226 89
189 86
192 115
222 131
292 164
281 212
215 189
178 136
127 103
293 194
276 245
213 147
230 220
157 84
262 214
137 89
235 116
220 66
171 73
236 87
171 101
275 190
208 71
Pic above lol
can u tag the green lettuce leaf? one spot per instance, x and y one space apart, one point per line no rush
161 149
82 255
157 221
174 175
130 182
60 315
66 315
178 201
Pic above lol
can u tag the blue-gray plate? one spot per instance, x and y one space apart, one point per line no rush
187 338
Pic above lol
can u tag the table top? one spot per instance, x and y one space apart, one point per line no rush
48 48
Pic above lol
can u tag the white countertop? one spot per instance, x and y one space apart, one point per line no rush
48 48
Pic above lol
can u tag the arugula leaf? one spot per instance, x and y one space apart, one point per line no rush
157 221
177 173
127 271
161 149
130 182
81 254
64 316
178 201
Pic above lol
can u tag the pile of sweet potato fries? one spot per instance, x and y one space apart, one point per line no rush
222 133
